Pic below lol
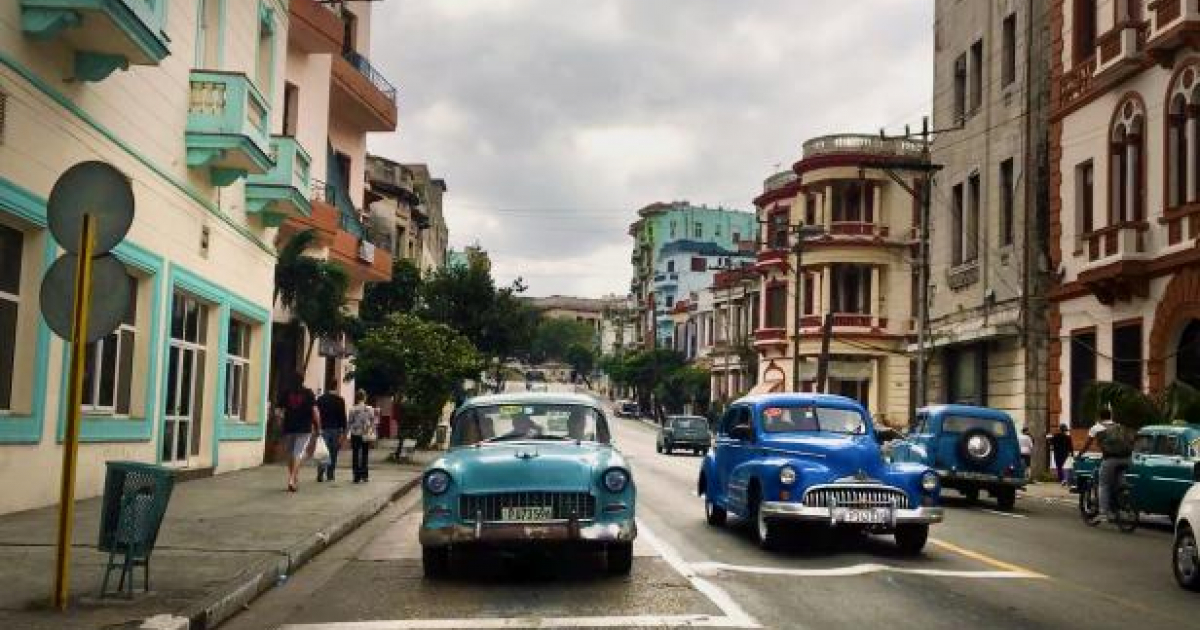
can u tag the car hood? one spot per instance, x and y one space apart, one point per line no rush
836 451
528 466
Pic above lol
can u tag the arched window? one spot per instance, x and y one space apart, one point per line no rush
1126 201
1177 152
1182 138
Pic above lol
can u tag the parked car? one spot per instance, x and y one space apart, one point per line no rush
685 432
1164 466
627 409
528 471
972 449
1185 560
813 458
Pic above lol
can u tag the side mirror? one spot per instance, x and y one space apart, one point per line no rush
742 432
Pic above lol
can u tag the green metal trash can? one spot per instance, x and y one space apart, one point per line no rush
135 500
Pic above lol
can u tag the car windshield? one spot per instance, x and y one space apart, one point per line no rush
962 424
688 423
810 418
517 421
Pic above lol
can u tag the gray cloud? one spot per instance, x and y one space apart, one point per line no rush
554 120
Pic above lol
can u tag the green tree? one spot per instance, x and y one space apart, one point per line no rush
555 336
398 295
313 290
681 386
419 362
1178 402
582 359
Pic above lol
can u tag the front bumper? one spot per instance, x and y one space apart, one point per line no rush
800 512
967 479
505 534
686 442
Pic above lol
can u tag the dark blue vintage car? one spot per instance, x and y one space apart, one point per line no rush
971 448
813 458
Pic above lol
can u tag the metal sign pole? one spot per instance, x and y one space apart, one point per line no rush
79 327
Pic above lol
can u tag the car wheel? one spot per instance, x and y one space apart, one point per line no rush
669 448
435 561
704 451
766 530
658 447
1006 498
620 558
911 538
972 494
978 448
1186 559
713 513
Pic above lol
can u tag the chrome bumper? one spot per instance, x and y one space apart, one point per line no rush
949 478
520 533
799 512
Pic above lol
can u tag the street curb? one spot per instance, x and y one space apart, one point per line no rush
236 594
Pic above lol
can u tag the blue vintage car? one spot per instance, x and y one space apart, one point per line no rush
528 470
971 448
813 458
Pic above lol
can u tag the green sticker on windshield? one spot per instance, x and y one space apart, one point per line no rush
511 410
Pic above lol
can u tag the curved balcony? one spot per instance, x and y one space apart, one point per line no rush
858 150
764 337
1117 259
1174 24
772 259
106 36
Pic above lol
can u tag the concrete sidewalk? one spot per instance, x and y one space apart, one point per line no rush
225 539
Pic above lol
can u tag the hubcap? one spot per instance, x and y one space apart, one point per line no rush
1185 557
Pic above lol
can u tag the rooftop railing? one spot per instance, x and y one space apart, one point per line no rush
364 67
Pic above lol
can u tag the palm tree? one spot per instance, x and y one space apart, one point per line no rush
313 290
1178 402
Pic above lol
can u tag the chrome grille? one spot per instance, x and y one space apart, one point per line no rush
864 496
565 505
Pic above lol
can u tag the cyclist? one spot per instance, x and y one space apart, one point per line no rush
1116 448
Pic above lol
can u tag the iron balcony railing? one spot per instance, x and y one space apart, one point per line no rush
364 67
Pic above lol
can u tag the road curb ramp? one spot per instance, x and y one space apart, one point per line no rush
236 594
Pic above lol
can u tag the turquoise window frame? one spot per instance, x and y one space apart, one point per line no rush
226 304
106 428
19 428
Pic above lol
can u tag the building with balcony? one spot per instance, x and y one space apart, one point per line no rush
986 343
333 96
854 269
728 338
660 224
1125 200
406 205
188 103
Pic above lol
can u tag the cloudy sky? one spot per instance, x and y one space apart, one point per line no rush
554 120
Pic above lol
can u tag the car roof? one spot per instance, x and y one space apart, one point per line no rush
800 398
533 398
965 410
1171 428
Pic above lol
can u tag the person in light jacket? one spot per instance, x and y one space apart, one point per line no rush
363 429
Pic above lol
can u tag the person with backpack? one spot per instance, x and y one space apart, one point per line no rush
363 423
1116 449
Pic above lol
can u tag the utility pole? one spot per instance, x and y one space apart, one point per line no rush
923 197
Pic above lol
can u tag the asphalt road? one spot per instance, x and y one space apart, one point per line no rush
1038 566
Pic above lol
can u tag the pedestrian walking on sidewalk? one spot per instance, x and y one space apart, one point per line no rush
1025 441
1060 446
362 433
301 425
333 422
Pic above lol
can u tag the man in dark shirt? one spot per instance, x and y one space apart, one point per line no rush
301 424
333 421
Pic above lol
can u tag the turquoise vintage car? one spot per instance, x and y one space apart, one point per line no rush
1165 464
529 470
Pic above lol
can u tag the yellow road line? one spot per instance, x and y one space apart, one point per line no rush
988 560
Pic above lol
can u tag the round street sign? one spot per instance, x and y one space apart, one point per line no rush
110 296
95 188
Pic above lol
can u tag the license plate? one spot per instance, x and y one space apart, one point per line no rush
870 516
527 513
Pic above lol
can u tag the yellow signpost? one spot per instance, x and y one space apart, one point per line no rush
79 325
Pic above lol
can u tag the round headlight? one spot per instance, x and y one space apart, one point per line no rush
929 481
616 479
437 481
787 475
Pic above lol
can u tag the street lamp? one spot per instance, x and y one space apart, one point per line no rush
802 231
